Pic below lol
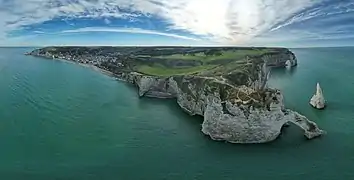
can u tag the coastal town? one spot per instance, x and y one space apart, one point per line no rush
107 61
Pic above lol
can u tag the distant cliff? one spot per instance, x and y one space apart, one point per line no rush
232 95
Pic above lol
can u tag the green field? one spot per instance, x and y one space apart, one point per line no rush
159 70
230 54
218 68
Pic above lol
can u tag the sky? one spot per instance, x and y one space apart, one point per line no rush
287 23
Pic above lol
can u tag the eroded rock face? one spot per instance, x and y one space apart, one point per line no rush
234 114
280 59
239 121
259 126
318 101
240 110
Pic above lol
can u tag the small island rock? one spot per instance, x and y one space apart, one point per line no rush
318 101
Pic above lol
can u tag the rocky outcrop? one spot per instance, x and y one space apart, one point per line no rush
237 114
280 59
318 101
255 126
150 86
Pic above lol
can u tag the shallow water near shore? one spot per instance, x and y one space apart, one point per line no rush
60 120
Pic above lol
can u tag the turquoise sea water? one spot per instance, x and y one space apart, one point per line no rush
63 121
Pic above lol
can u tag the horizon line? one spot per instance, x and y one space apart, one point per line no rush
176 46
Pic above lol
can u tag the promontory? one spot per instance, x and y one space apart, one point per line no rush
225 85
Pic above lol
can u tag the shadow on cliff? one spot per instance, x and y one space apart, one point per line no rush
171 104
281 72
173 108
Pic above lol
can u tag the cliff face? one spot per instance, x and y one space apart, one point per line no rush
280 59
248 113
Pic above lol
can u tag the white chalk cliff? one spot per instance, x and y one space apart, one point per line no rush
248 113
318 101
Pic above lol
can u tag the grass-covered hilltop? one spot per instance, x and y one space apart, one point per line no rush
226 85
161 61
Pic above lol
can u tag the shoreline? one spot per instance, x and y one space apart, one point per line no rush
93 67
211 108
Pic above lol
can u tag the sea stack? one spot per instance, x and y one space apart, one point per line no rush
317 100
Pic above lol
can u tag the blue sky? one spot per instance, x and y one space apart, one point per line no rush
289 23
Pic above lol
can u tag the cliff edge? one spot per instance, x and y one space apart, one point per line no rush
230 92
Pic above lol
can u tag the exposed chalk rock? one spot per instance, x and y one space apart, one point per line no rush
231 113
318 101
249 112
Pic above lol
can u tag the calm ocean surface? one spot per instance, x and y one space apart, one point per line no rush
66 122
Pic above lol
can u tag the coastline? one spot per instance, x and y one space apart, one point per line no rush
93 67
207 99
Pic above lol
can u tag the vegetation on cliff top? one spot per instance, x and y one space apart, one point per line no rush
198 62
226 70
159 70
234 65
216 55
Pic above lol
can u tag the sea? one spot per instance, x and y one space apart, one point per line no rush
63 121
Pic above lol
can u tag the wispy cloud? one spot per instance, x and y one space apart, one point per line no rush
230 20
107 21
323 10
39 32
128 30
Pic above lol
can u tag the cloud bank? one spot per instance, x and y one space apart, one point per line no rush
127 30
222 21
